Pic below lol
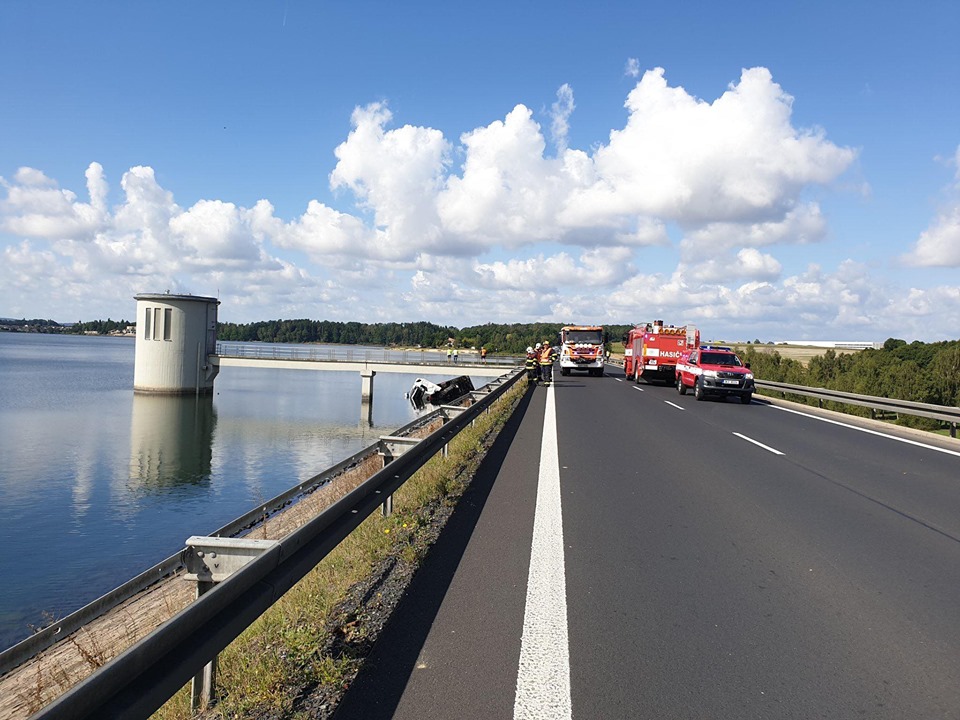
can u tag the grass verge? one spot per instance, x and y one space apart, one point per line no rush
300 656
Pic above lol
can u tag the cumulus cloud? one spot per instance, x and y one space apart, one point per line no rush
738 159
939 244
489 226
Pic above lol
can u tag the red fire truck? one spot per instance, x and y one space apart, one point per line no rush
651 350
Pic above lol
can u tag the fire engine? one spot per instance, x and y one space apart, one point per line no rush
651 350
714 370
581 348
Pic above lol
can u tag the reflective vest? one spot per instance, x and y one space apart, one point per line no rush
546 355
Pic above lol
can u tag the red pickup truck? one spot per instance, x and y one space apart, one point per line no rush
714 370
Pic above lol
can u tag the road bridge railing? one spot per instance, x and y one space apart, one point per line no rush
359 354
142 678
943 413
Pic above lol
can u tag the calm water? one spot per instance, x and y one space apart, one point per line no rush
97 484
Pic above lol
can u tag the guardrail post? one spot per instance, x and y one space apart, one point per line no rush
953 430
392 447
210 560
450 412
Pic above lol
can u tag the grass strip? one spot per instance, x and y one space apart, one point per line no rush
300 656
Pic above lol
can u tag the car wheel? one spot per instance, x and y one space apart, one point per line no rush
698 392
745 398
681 388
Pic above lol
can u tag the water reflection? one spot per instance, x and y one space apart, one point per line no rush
171 441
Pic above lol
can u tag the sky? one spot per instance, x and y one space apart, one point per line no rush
763 170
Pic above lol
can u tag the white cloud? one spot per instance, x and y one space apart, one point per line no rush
632 68
560 113
396 174
738 159
677 216
939 244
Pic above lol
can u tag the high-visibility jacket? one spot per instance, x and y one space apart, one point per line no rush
531 362
547 355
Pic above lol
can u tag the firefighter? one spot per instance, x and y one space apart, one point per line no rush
530 365
546 358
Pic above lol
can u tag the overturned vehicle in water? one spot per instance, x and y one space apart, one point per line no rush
424 391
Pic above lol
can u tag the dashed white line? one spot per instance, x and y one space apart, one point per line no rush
673 404
543 679
637 387
758 444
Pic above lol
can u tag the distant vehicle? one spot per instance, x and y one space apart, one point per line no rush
651 350
714 370
581 348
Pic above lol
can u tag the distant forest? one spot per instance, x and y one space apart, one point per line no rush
921 372
498 338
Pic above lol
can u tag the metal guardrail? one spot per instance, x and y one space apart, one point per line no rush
138 681
944 413
17 654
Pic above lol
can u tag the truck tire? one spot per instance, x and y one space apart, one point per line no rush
698 392
681 388
564 371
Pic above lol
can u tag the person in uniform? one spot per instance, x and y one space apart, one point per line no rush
530 365
546 359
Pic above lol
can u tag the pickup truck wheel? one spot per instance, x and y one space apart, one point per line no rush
681 388
745 398
698 392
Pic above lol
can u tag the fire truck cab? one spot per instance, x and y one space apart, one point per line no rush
581 348
714 370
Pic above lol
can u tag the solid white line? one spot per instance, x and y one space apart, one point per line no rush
674 405
543 679
758 444
871 432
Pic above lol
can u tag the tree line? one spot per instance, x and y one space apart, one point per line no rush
511 339
917 371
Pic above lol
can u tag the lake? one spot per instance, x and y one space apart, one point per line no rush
97 484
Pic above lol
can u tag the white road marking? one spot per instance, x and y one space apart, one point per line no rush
674 405
637 387
543 679
619 379
758 444
871 432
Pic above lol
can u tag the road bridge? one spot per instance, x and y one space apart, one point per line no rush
625 552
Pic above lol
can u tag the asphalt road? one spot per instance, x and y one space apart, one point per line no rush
718 561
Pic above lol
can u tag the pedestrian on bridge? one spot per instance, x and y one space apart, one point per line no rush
449 354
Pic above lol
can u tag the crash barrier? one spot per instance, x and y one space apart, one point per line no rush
944 413
142 678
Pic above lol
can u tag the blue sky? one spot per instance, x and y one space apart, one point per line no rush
763 170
